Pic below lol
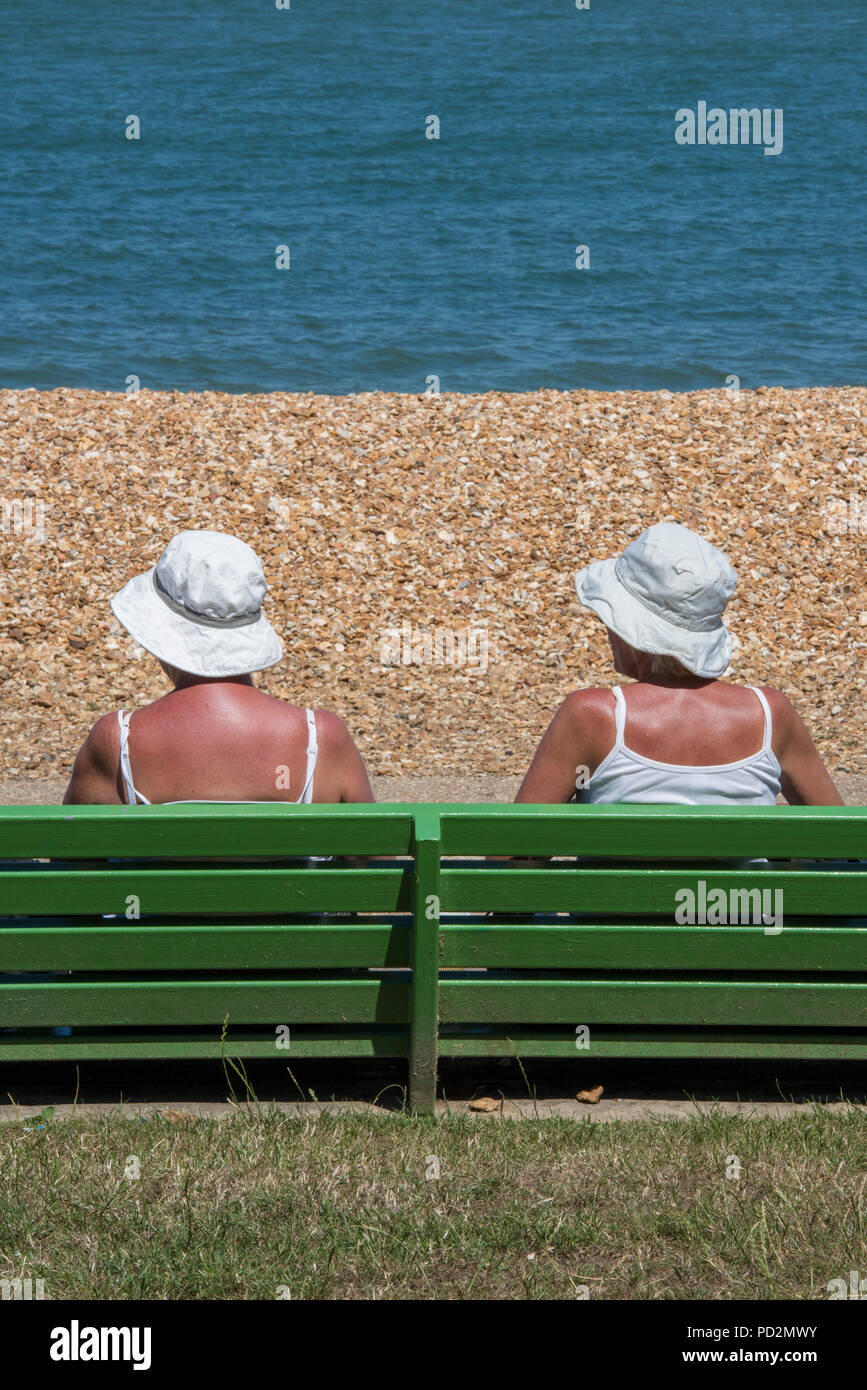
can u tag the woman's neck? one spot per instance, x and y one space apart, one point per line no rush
185 682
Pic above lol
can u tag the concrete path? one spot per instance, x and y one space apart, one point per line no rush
181 1112
438 787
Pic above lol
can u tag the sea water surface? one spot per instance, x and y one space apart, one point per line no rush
409 258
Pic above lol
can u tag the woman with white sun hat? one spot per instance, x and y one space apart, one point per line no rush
214 736
680 734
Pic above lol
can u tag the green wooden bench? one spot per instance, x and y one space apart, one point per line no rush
619 976
166 938
446 950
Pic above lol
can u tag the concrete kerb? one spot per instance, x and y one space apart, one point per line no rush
604 1112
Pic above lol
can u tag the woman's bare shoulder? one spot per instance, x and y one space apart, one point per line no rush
790 730
783 712
332 731
103 742
590 698
591 707
95 771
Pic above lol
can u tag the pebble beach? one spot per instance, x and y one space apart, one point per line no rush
420 552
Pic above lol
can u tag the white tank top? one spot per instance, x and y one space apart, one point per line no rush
134 797
624 775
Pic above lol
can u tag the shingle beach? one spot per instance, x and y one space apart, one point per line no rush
381 518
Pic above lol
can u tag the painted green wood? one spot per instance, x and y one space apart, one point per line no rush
275 829
748 1002
629 891
806 996
129 1046
191 862
74 832
648 946
217 946
703 1045
657 832
220 890
821 1045
425 961
166 1001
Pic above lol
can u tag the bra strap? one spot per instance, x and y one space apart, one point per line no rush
132 796
125 769
619 716
312 754
769 723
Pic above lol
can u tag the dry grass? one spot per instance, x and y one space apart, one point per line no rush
393 1207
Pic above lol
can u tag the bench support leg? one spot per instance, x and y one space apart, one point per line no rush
425 964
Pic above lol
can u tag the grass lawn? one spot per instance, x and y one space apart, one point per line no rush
261 1205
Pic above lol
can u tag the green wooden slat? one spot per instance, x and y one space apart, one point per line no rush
76 832
143 946
190 863
198 891
823 1045
667 1002
657 832
704 1045
425 962
95 1046
153 1002
649 946
626 890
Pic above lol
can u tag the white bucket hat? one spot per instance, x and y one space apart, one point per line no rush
666 595
200 608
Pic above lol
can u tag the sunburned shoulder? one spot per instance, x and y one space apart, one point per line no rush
95 770
101 744
775 698
784 717
332 735
588 714
329 726
331 731
583 704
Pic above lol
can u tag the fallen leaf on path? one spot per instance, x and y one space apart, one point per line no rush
590 1097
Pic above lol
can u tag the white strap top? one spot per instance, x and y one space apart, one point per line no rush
624 775
134 797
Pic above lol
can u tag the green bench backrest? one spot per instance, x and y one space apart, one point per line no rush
173 932
629 961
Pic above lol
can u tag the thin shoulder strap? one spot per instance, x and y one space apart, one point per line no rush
125 770
132 796
769 722
619 716
312 754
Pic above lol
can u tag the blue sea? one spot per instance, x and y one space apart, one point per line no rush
412 258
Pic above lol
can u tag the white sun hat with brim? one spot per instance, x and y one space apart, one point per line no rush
200 608
666 595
